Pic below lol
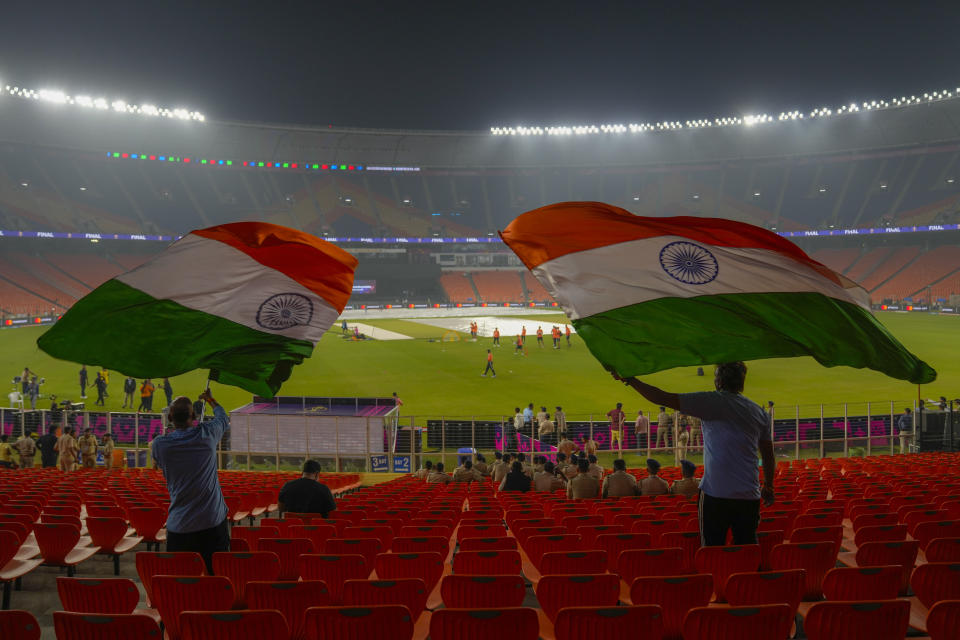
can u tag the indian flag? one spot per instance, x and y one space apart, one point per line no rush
648 294
246 300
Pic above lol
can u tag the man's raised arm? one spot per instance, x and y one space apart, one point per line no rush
653 394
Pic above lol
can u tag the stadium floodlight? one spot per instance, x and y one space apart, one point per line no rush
52 95
57 96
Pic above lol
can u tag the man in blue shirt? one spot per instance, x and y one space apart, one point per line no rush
197 519
734 429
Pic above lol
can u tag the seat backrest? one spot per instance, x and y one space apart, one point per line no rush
874 519
487 563
935 581
573 562
317 534
170 563
815 558
880 533
106 532
366 547
638 622
482 592
722 562
409 592
292 599
558 591
91 626
173 595
233 625
243 566
943 620
943 550
635 563
147 520
426 566
55 540
9 545
925 532
19 625
288 550
98 595
484 544
769 587
656 529
333 570
675 595
689 541
903 553
862 583
384 622
615 543
877 620
761 622
384 534
481 624
832 534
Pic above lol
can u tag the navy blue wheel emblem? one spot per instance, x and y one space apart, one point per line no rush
688 262
285 310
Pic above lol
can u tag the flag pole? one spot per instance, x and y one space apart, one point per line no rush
203 405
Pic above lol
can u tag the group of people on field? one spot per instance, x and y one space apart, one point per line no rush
130 386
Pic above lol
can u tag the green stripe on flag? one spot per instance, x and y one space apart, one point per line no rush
150 338
675 332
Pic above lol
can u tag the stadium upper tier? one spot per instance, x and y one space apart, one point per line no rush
69 170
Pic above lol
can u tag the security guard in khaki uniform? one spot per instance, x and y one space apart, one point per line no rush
688 485
653 485
422 473
27 448
467 473
437 476
501 468
583 485
620 483
88 448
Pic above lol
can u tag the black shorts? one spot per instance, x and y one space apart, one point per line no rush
205 542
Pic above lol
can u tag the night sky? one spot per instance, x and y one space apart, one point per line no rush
471 65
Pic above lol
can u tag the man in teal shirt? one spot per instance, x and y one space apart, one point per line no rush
197 518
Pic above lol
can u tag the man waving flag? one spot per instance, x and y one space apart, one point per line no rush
247 300
648 294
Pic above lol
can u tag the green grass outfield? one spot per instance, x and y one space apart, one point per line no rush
443 378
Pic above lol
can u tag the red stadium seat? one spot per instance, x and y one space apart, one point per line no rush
936 581
561 562
89 595
292 599
588 535
689 542
903 554
179 563
768 540
832 534
383 622
880 533
288 550
366 547
536 546
59 545
638 622
425 566
762 622
487 563
482 592
19 625
173 595
944 620
615 543
771 587
409 592
382 533
925 532
943 550
89 626
333 570
317 534
467 530
110 534
636 563
862 583
488 544
149 523
880 620
482 624
721 562
233 625
559 591
675 595
656 528
815 558
241 568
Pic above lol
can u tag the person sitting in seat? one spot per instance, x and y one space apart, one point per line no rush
595 469
517 479
481 465
619 483
560 468
497 462
527 467
547 479
500 471
306 494
466 473
583 485
438 476
653 485
688 485
421 474
571 470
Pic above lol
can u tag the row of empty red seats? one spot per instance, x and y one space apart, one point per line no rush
535 289
498 286
867 262
837 259
897 259
928 268
54 298
90 269
457 287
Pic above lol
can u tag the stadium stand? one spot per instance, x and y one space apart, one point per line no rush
867 263
458 287
897 260
498 286
925 270
406 589
534 290
837 259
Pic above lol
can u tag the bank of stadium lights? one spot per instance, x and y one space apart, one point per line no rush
55 96
744 121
